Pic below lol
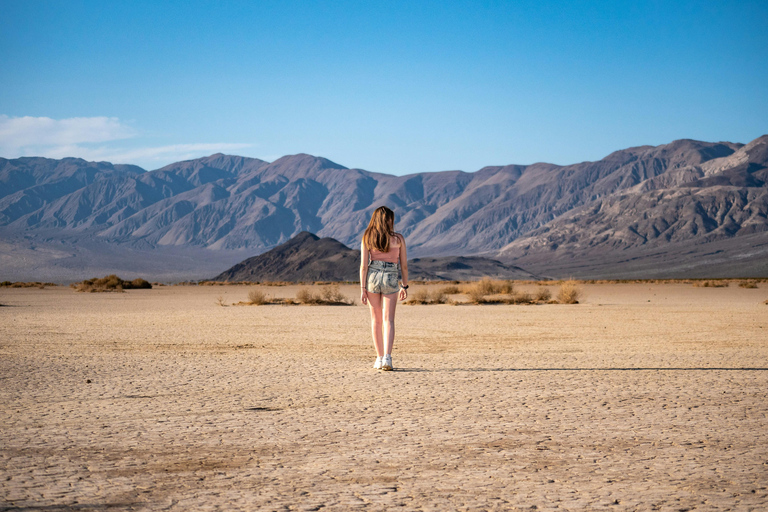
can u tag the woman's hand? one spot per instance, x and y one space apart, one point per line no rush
364 296
403 294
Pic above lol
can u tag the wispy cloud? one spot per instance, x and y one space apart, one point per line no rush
172 152
92 138
20 132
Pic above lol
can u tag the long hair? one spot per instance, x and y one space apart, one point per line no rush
379 230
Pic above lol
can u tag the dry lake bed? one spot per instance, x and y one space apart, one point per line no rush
641 397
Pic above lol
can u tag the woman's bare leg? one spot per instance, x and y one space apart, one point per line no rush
374 303
388 315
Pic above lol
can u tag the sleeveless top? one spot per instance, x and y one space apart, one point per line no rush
392 256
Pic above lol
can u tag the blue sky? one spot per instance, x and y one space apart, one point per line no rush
387 86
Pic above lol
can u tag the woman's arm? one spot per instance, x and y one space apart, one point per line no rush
363 272
403 268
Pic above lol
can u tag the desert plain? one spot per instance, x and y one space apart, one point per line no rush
641 397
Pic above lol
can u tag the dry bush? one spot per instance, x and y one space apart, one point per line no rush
140 284
21 284
475 293
543 294
418 296
220 301
110 283
331 293
257 297
305 296
451 289
494 287
749 283
569 292
490 287
710 284
765 302
523 298
506 287
479 290
438 297
424 296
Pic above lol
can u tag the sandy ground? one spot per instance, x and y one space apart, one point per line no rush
643 397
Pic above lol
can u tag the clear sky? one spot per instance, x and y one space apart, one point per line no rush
387 86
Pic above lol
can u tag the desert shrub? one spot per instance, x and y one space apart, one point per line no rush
438 297
543 294
305 296
257 297
110 283
424 296
418 296
140 284
710 284
475 293
491 287
569 292
331 293
451 289
21 284
749 283
506 287
523 297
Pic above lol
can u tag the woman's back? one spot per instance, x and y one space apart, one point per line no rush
391 256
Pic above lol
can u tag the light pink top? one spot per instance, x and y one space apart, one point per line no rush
392 256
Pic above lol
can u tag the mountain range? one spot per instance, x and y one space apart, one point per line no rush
688 208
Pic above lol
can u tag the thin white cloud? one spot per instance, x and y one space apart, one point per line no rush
21 132
170 153
85 137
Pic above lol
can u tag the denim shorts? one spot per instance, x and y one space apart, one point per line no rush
382 277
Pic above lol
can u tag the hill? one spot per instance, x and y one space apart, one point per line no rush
308 258
304 258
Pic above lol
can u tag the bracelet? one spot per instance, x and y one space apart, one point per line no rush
404 287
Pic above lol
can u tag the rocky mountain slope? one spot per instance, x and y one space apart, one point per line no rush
638 199
686 209
308 258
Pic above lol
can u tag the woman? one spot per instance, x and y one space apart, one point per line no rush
382 255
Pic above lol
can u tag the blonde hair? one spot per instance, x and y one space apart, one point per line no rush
379 229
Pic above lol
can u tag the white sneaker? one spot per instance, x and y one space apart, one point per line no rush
377 364
386 364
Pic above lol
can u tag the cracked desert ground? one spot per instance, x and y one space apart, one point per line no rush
642 397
